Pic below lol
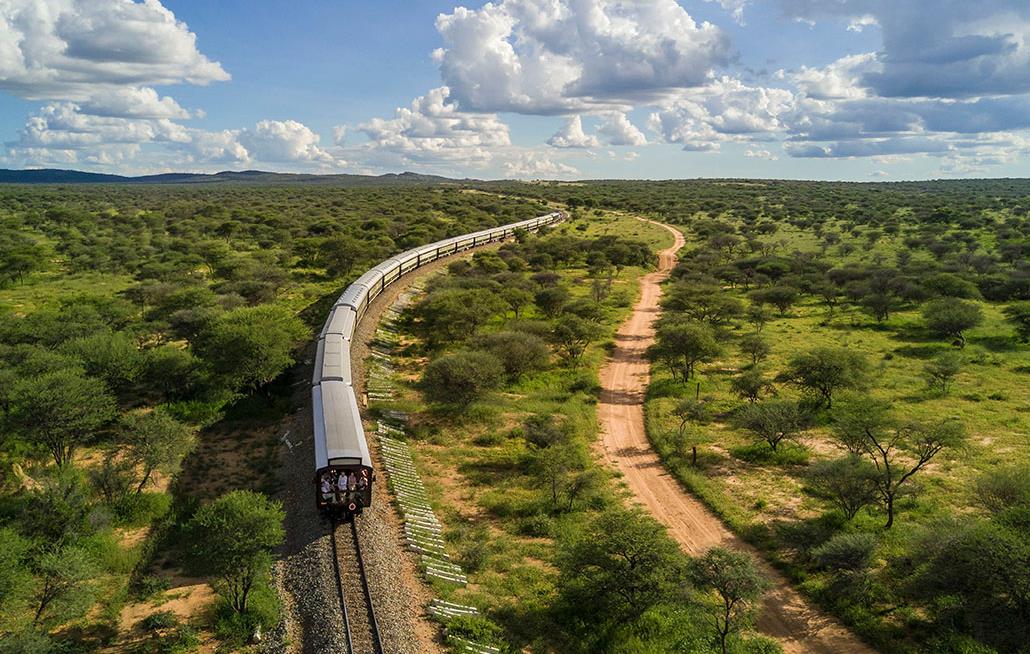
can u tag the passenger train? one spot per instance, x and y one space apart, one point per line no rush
343 467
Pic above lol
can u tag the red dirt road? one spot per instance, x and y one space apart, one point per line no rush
800 627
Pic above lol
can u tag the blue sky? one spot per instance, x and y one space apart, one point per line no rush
813 89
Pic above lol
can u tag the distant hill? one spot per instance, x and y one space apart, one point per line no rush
58 176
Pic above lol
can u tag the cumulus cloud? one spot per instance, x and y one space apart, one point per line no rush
726 110
283 141
571 135
562 56
755 153
81 50
432 128
936 49
529 165
618 130
62 133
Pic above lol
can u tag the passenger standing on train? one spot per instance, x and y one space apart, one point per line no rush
327 489
341 483
353 480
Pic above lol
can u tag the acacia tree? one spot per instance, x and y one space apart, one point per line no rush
1018 314
750 384
951 317
232 539
682 345
865 426
848 483
689 410
156 441
620 566
754 347
825 370
250 346
572 335
940 372
737 584
462 377
61 410
773 421
62 588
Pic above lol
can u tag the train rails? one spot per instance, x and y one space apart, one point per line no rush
359 615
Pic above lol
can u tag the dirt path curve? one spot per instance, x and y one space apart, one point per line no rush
785 615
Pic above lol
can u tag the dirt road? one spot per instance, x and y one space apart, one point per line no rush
785 615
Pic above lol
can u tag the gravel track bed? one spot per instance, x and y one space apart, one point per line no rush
304 576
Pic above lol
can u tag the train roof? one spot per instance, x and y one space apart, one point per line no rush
339 434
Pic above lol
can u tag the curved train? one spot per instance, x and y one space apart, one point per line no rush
343 467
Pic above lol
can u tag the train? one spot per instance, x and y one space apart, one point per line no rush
343 466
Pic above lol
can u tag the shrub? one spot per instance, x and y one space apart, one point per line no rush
462 378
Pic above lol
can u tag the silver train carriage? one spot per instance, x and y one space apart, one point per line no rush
343 467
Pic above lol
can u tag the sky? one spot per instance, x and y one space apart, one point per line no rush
862 90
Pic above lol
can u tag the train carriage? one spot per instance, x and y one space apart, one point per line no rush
343 467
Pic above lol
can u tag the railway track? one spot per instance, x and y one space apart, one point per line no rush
359 616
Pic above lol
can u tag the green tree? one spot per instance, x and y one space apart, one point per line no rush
975 575
621 565
156 441
940 372
750 384
848 483
15 576
897 450
950 317
251 346
737 585
519 352
825 370
773 421
111 356
781 297
1018 313
552 300
232 539
63 588
462 377
60 410
517 298
450 315
755 348
682 345
572 334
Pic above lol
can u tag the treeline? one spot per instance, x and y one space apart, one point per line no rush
103 392
951 583
966 202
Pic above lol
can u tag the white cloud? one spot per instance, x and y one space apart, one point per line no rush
840 79
726 110
571 135
859 23
283 141
938 49
562 56
432 128
755 153
529 165
81 50
618 130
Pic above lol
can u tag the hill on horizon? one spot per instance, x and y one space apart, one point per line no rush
62 176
